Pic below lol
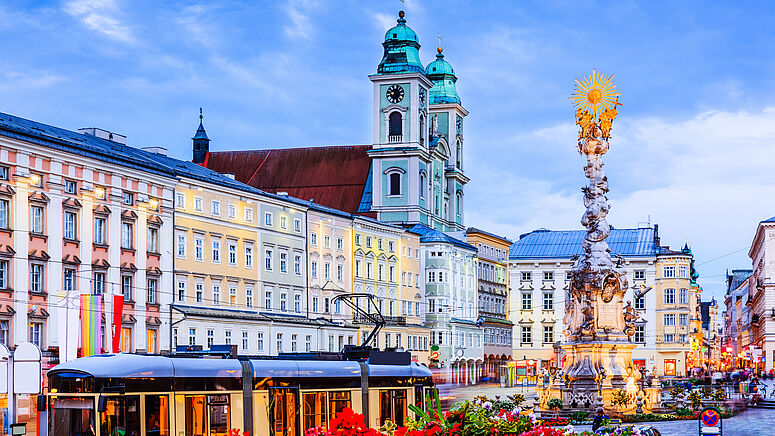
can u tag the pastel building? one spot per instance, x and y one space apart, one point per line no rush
81 213
493 300
762 295
452 316
737 282
241 267
539 263
677 313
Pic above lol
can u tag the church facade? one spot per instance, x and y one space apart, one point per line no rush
412 172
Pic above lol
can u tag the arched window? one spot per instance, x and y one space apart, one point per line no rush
459 204
422 184
395 183
395 128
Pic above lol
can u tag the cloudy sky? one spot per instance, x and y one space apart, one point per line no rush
692 148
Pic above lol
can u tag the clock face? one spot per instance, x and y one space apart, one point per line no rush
395 93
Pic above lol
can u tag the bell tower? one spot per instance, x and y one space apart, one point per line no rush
400 139
201 142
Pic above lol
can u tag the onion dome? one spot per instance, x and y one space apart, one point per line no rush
441 73
402 50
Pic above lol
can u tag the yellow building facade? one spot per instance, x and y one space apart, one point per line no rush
216 265
382 268
675 313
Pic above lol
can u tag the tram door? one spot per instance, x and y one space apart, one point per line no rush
121 416
285 416
207 415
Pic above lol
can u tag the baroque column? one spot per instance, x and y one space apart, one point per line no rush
597 322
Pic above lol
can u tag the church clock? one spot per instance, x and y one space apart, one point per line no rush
395 93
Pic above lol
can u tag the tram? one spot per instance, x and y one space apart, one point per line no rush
206 394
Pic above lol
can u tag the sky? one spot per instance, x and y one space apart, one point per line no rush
692 148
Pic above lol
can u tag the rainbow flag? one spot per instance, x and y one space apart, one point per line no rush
91 320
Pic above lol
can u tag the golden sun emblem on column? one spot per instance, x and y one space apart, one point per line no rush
595 99
595 94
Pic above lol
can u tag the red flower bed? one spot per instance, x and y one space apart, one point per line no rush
555 422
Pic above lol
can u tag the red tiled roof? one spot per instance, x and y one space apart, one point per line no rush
332 176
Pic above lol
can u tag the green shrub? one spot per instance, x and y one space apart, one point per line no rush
555 404
696 398
517 399
676 391
579 416
684 412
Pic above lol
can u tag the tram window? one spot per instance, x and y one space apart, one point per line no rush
212 409
322 407
121 416
314 409
392 406
419 398
71 416
157 415
338 401
284 415
218 406
195 416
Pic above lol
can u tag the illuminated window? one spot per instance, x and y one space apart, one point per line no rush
126 339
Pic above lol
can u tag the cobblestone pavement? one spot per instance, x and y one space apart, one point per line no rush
752 422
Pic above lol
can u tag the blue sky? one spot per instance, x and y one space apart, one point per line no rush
692 148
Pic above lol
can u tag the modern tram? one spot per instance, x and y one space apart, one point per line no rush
194 394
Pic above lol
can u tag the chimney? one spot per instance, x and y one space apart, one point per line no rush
155 150
103 134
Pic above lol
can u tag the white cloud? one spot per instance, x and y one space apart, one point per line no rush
300 25
384 21
28 81
191 19
101 16
706 179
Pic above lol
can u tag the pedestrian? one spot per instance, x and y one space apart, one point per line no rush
599 419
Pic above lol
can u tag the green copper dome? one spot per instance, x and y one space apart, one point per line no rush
402 50
441 73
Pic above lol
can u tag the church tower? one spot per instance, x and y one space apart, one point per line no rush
416 176
201 142
447 115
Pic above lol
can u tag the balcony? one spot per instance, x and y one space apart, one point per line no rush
389 320
395 139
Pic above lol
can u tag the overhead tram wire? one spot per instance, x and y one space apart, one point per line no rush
724 255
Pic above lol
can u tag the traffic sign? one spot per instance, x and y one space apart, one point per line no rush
710 421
